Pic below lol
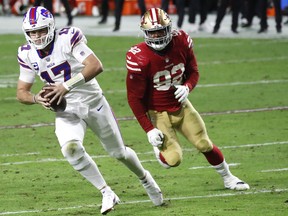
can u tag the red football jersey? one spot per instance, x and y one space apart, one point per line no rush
152 75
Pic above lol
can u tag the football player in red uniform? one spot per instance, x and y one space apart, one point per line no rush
161 73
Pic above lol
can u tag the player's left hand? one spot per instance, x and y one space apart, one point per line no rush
155 137
181 93
57 90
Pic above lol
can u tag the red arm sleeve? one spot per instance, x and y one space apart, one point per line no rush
191 74
191 71
136 88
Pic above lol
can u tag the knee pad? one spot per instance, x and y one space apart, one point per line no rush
119 154
172 158
76 155
204 145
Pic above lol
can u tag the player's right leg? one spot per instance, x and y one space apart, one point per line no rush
170 154
70 131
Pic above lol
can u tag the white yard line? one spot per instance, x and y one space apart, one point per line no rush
45 160
128 118
15 155
9 80
217 85
275 170
242 193
241 83
208 167
240 61
4 84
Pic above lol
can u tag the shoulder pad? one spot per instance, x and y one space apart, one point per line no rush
74 35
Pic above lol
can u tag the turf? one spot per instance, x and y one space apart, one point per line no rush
242 96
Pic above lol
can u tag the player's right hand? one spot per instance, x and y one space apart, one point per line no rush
155 137
38 99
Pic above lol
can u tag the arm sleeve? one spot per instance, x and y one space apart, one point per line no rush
136 89
191 72
191 68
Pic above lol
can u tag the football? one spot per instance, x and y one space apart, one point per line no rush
54 107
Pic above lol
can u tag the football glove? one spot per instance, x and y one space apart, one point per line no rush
155 137
181 93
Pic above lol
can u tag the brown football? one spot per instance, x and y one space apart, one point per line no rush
54 107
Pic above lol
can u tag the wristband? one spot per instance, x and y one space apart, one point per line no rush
34 99
74 81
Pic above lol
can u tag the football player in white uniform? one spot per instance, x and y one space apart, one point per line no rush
63 59
161 73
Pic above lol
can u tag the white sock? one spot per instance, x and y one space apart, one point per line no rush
223 169
93 175
133 163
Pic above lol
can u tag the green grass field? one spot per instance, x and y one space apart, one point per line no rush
242 96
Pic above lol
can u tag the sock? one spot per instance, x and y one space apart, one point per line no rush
223 169
215 156
133 163
93 175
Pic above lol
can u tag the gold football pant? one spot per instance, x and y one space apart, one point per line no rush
186 121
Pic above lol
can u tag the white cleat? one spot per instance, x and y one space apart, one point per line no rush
234 183
109 200
152 189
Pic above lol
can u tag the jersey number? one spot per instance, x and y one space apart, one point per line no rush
163 80
62 68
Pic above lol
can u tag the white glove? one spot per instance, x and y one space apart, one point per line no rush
181 93
155 137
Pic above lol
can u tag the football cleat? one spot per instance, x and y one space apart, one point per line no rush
234 183
152 189
109 200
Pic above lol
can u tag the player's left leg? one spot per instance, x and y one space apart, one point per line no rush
194 129
103 123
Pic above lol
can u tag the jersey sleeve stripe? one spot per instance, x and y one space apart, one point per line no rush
190 42
76 38
24 66
132 68
22 63
131 63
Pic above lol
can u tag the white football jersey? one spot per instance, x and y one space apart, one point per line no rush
64 61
